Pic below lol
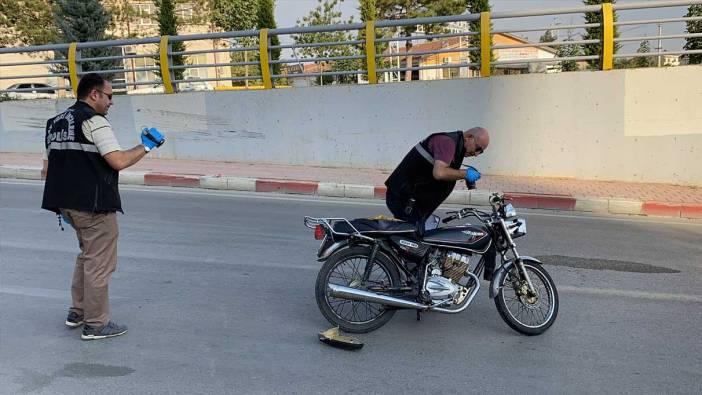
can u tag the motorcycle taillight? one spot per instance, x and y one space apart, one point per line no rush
319 232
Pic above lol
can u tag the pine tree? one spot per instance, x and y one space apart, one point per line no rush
547 37
694 43
596 33
266 19
81 21
168 26
569 51
643 61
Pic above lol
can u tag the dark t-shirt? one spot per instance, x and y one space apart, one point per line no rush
442 148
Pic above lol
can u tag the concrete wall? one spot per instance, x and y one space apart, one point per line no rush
632 125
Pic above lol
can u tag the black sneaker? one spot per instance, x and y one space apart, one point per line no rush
74 320
109 330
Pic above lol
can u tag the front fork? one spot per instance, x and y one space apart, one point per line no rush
517 258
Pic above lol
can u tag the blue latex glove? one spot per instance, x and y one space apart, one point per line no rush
472 175
151 138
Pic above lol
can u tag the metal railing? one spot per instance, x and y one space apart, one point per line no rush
370 52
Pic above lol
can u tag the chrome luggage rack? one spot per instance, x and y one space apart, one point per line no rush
328 223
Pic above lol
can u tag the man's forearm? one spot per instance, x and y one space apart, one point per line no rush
120 160
449 174
135 154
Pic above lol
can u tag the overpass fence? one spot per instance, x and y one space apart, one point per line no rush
373 56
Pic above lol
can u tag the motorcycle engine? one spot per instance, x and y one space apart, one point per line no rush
440 287
448 269
455 266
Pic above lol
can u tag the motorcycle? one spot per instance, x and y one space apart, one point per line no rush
373 267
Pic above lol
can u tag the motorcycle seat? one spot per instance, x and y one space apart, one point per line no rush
365 225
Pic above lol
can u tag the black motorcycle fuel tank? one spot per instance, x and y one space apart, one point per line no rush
469 237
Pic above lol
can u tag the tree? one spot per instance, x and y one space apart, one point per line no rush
123 14
82 21
234 15
168 26
266 19
326 14
476 7
569 51
408 9
694 43
369 12
26 22
643 61
596 33
547 37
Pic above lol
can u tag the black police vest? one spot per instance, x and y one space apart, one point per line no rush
414 178
77 177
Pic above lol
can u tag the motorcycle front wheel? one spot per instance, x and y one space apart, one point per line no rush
346 268
530 314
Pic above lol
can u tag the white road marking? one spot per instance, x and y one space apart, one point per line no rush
630 294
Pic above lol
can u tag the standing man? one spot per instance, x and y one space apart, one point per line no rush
429 171
83 160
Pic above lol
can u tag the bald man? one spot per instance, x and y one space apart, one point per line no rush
429 171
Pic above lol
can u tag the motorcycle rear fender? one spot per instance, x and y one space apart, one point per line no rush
324 255
502 271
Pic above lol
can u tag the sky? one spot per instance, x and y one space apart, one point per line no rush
289 11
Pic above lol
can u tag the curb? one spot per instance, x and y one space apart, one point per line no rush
459 196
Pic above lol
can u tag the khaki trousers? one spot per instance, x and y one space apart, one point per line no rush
97 236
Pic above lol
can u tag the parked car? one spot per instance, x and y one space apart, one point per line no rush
145 89
192 84
32 90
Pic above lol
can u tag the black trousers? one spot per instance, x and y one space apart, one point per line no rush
398 206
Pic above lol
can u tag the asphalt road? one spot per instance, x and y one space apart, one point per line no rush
217 289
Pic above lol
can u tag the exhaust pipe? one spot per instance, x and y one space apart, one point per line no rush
339 291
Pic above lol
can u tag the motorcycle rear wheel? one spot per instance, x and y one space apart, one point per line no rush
346 268
530 315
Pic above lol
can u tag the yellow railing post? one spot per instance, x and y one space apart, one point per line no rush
163 59
370 52
607 36
263 54
485 48
73 67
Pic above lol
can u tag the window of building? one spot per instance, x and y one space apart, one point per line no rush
450 72
143 76
145 13
184 12
198 72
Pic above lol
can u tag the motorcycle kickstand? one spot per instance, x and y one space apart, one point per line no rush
419 315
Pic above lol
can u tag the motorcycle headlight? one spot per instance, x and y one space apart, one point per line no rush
510 211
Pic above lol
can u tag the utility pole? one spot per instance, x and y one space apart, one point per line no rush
660 45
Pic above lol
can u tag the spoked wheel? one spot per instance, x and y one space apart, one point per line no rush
346 268
527 313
